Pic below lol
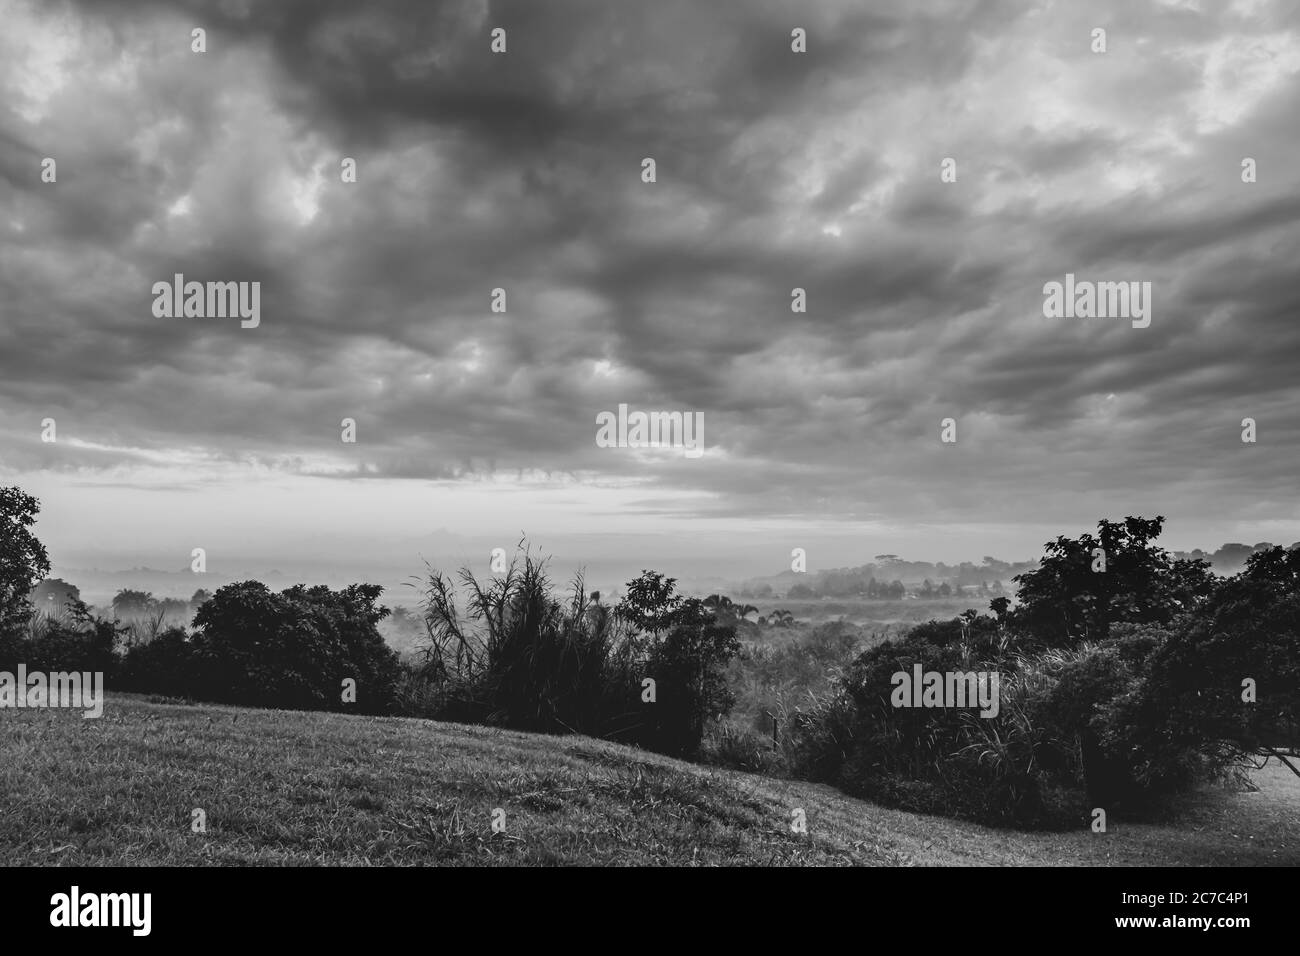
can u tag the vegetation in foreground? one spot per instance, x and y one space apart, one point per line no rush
315 788
1126 676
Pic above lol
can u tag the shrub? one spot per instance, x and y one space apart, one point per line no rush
1027 765
821 736
1163 703
688 668
293 649
73 640
1191 718
521 658
164 665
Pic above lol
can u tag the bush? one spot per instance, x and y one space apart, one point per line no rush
164 665
518 657
688 668
292 650
1029 764
820 739
1191 719
1158 706
75 640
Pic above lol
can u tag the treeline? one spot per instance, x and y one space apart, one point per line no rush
884 578
830 586
891 591
131 603
1229 558
649 670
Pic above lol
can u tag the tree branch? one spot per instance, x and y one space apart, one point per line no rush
1278 754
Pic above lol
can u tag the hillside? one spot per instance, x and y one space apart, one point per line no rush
309 788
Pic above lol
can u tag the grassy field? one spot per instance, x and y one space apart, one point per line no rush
308 788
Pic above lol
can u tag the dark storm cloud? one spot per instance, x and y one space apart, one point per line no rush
775 171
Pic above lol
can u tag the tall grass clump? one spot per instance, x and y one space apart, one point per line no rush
516 656
73 639
508 651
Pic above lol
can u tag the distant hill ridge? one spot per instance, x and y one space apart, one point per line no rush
1228 559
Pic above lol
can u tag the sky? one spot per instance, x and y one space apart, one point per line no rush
523 171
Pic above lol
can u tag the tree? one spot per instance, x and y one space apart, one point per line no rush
650 603
293 649
55 596
23 560
1225 682
1084 585
689 666
127 601
171 606
718 602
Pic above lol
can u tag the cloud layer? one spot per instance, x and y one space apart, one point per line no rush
775 170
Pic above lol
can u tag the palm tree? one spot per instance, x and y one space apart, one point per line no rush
719 604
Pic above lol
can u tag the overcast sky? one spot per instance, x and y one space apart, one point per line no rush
523 171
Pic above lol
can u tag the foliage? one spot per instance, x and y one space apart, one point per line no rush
688 666
165 665
1194 715
1064 600
293 649
518 657
74 640
1117 687
23 561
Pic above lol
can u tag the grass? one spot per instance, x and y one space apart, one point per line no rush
290 788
